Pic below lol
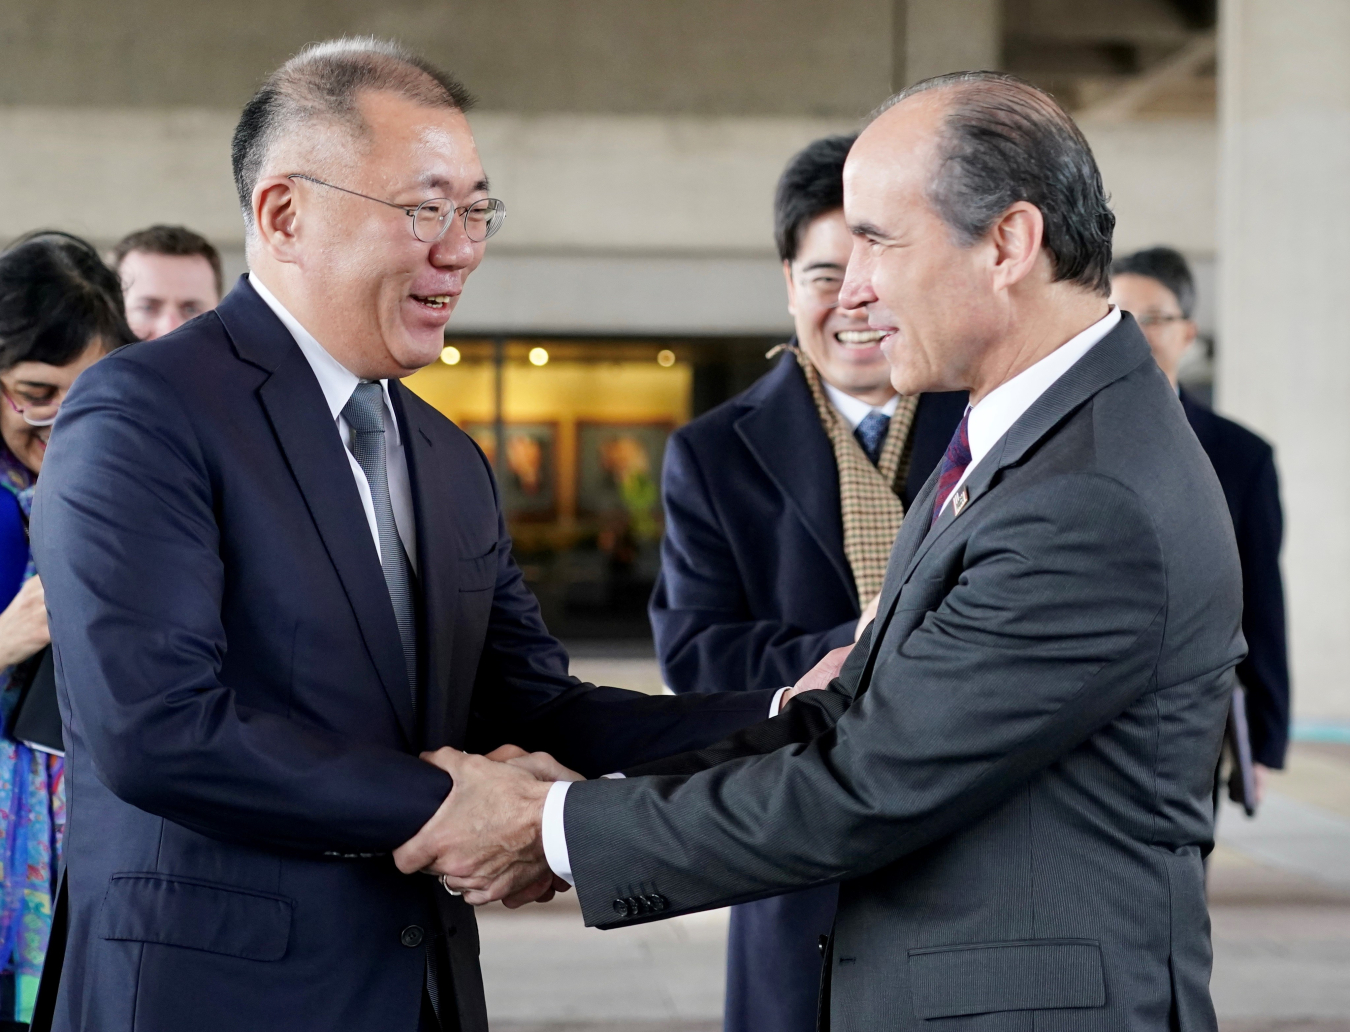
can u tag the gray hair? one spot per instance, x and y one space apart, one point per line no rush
1005 141
322 84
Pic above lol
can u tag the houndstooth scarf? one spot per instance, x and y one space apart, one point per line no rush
869 495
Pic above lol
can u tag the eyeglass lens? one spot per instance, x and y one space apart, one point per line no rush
824 289
481 219
34 413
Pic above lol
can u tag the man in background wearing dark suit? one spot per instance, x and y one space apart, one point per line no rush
781 509
1156 286
1013 780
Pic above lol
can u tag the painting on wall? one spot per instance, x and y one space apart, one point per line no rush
529 477
619 476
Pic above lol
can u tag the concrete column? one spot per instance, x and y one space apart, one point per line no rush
1284 297
936 36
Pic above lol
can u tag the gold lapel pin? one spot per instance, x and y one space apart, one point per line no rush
959 502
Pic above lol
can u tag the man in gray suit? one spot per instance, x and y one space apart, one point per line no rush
1011 776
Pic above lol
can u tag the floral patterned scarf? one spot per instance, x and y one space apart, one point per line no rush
32 819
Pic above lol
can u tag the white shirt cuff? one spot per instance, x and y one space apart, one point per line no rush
776 700
555 838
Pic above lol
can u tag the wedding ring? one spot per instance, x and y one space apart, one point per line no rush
445 884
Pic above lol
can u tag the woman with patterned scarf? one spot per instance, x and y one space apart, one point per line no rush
60 311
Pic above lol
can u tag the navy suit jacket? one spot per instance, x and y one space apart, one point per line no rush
755 586
1245 465
242 745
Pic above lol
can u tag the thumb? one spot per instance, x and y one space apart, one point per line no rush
449 759
414 855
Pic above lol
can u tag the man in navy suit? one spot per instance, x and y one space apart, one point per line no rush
1156 286
781 509
275 576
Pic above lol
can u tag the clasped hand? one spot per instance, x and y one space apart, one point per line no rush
485 840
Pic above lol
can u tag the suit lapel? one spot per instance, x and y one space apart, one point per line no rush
309 439
437 563
1119 353
977 485
782 431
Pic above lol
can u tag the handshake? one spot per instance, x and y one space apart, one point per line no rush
486 840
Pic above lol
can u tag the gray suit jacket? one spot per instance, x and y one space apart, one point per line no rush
1012 777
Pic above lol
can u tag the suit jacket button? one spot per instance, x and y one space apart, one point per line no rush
621 908
411 936
657 902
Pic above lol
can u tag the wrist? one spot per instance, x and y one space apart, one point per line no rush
11 654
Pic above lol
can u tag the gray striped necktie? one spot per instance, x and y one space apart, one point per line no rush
364 413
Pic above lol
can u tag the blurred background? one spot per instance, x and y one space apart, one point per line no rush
636 146
635 286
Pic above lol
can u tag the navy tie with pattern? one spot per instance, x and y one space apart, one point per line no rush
364 413
871 433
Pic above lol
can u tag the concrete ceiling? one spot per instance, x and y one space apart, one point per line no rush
1088 51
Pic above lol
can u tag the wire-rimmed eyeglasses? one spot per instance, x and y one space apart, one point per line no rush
38 412
431 219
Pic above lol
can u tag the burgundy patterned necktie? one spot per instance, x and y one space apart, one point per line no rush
954 464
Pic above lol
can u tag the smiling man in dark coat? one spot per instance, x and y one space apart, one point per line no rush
781 508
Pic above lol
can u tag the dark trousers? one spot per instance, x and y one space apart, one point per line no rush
774 961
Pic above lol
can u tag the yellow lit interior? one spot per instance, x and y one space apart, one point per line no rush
565 392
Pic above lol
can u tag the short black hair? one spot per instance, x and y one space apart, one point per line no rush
1003 141
175 241
1165 265
812 185
56 298
323 83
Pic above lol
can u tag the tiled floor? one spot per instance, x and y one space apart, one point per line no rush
1280 902
1280 907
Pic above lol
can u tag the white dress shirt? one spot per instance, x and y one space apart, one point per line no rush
989 420
1003 406
338 383
852 409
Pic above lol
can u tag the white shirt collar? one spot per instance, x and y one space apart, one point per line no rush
335 380
853 409
1004 405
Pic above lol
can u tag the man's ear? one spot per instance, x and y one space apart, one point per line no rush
791 289
1016 236
276 217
